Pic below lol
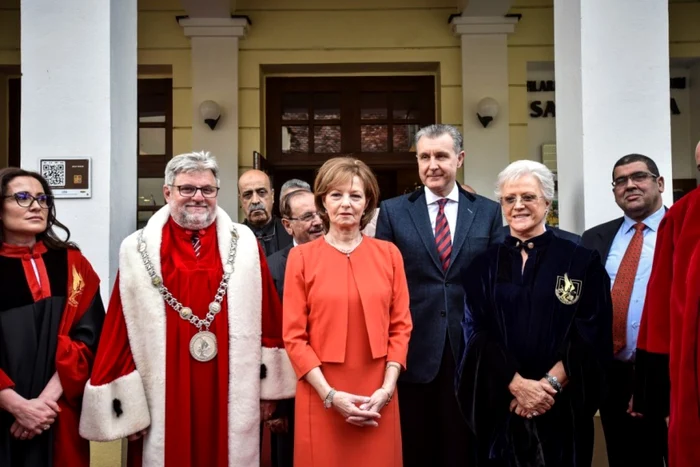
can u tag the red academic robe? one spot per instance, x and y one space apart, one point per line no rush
197 413
667 365
63 309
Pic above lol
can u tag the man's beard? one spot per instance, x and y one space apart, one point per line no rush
194 220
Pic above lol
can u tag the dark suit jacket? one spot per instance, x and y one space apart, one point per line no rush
601 236
277 262
566 235
437 298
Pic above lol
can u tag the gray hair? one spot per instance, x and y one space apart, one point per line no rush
295 183
191 162
519 169
438 129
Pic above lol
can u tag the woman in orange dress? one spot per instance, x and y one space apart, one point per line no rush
346 329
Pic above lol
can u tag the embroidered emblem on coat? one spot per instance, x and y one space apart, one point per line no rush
76 288
568 291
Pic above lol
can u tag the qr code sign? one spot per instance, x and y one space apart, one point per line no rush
54 172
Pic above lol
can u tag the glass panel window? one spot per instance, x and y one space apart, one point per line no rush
151 141
374 138
327 106
327 139
373 106
295 138
144 118
295 106
150 192
403 137
405 106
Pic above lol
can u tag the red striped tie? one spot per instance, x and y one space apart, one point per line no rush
196 244
443 241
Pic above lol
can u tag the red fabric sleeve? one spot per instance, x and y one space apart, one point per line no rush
652 386
400 322
296 317
74 357
655 329
5 381
114 358
271 307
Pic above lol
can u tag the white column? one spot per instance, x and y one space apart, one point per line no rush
613 98
79 100
215 77
484 74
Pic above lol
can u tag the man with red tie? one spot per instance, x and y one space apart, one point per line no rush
193 355
668 350
626 247
439 229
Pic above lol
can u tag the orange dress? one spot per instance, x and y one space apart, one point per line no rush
349 314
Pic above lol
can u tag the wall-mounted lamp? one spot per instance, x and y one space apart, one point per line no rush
487 110
210 112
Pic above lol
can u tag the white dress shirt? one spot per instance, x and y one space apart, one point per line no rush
450 209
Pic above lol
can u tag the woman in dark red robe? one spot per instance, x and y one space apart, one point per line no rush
51 316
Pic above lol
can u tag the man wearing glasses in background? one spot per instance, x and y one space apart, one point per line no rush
257 199
194 357
626 247
302 222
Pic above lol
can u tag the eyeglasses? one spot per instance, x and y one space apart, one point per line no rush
637 177
189 191
306 217
524 199
25 200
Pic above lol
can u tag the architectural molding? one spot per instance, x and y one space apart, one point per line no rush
208 8
462 25
215 27
481 8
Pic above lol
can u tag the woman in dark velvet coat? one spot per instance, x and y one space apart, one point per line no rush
537 329
51 316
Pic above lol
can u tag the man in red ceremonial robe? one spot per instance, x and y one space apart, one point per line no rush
668 366
186 392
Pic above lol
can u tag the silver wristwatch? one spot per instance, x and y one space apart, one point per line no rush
328 401
554 382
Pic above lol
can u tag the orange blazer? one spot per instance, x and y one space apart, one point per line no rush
315 302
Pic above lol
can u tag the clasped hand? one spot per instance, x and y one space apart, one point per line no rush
33 417
532 397
360 410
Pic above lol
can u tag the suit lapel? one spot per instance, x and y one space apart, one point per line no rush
607 237
418 210
466 210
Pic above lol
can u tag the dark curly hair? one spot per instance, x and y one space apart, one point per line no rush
48 236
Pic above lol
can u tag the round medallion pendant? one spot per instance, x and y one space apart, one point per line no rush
203 346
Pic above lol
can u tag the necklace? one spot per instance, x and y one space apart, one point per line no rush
345 251
203 345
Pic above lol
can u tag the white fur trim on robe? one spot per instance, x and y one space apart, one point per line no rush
144 313
101 422
280 381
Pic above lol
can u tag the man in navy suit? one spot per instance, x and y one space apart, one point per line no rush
439 230
630 438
